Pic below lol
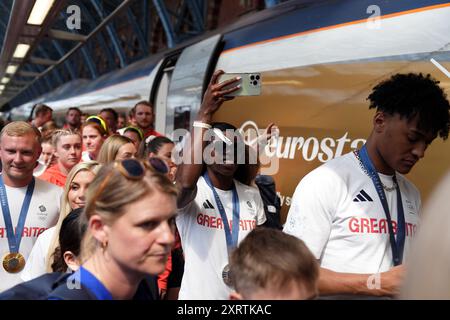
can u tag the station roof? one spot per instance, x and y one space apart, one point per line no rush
45 44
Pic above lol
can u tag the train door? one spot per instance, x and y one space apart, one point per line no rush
187 83
158 95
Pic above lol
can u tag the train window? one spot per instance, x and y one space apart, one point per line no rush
158 95
187 80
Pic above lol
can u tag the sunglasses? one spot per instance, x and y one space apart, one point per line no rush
133 169
159 165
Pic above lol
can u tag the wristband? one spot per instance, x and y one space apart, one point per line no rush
199 124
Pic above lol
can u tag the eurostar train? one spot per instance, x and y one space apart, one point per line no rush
318 61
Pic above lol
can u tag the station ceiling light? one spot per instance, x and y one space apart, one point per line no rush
21 50
5 80
11 69
39 11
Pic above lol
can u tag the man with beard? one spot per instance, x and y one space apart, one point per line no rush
143 115
73 119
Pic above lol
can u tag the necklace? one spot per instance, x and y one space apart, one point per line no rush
386 188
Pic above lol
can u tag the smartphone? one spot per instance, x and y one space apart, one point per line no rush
250 84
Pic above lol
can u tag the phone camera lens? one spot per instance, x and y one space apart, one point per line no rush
257 77
255 83
252 77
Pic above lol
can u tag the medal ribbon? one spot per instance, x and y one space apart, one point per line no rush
397 246
15 239
232 235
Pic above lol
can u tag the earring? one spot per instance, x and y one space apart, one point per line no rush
104 245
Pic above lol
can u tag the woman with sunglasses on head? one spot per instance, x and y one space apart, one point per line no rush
170 280
116 147
41 256
112 268
94 132
218 207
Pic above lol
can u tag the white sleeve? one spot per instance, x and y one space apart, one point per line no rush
35 265
185 218
312 209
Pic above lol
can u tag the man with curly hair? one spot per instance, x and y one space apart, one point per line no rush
357 213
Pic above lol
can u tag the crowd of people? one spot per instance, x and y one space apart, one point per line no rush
99 209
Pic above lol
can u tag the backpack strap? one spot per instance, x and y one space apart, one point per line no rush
271 201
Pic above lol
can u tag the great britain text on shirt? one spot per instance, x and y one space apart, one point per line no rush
373 225
27 232
217 223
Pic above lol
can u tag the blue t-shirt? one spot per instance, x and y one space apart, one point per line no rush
82 278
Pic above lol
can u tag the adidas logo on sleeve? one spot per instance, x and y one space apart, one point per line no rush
207 204
362 196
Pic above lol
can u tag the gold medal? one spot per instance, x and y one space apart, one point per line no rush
226 276
13 262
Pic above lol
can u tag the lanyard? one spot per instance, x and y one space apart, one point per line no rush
231 236
396 245
14 239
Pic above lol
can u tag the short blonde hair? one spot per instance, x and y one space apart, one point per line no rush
57 134
110 148
20 129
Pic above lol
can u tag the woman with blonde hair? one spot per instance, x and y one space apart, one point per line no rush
116 147
41 256
169 281
111 267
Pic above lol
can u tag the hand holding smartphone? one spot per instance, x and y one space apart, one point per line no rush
250 84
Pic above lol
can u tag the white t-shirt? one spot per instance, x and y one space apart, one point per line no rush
203 238
42 214
37 260
336 211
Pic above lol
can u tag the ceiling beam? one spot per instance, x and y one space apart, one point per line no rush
42 61
28 74
64 35
100 27
15 86
18 28
17 19
21 82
